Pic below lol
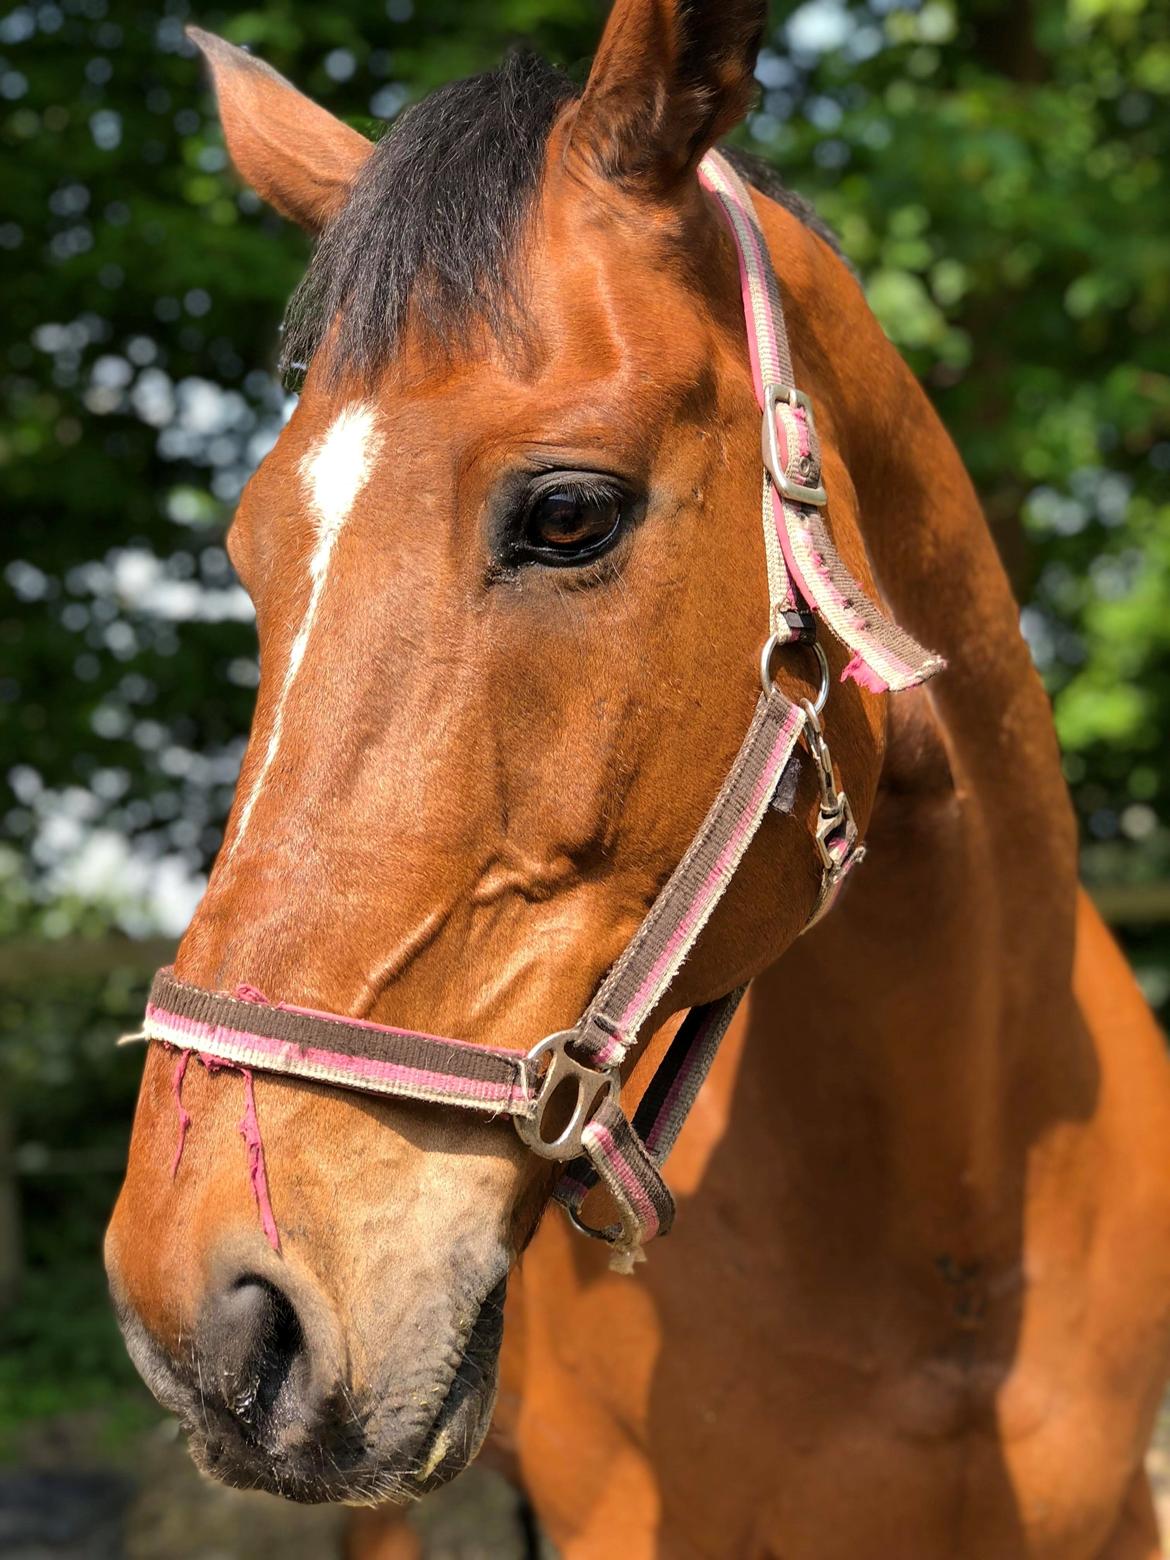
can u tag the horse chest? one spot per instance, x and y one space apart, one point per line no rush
965 1427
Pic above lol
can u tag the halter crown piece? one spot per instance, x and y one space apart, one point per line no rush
599 1141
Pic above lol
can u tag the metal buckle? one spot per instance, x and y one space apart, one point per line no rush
591 1083
795 492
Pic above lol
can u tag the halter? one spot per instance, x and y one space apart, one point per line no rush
598 1141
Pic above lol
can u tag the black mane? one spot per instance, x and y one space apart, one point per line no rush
761 175
435 218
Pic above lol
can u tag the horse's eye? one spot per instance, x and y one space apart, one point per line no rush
571 524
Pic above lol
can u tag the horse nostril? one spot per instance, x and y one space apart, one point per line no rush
253 1344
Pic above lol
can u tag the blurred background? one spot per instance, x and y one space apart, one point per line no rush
1000 176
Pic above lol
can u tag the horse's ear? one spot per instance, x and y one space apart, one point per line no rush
670 77
297 156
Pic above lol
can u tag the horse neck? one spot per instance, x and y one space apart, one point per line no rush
941 1032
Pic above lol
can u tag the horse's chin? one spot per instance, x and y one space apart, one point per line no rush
451 1444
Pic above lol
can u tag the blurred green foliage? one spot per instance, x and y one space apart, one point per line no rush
1000 175
71 1093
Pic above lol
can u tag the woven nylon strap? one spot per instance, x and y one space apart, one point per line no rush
805 574
349 1052
640 978
802 559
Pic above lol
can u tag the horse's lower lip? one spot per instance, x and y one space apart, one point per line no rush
463 1415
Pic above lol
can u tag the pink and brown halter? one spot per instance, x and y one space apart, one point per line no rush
600 1141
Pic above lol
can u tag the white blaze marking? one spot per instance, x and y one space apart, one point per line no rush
334 472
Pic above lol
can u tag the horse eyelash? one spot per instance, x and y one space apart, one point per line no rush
578 486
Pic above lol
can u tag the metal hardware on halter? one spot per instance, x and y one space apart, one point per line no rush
802 623
795 492
773 643
591 1084
608 1235
835 819
830 825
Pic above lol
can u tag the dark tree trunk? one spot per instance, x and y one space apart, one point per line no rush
1004 39
11 1249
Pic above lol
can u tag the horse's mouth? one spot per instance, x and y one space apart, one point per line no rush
347 1465
465 1412
346 1460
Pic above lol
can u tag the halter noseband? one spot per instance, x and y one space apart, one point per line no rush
598 1141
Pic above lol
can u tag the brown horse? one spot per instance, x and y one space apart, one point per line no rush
509 584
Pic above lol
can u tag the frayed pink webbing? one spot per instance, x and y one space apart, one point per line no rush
883 656
250 1132
858 670
249 1124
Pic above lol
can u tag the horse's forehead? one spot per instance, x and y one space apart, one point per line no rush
337 464
603 334
594 389
614 253
321 461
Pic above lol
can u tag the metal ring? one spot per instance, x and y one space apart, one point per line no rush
774 643
608 1235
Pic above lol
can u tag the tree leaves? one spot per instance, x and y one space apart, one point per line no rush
1001 184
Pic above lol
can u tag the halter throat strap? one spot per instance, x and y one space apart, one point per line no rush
807 584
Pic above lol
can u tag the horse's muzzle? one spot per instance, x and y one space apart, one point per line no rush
263 1389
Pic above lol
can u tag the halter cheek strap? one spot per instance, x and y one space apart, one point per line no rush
804 567
807 582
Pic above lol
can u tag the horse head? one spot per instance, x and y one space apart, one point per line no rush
509 586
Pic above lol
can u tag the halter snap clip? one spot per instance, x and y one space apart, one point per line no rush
836 834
